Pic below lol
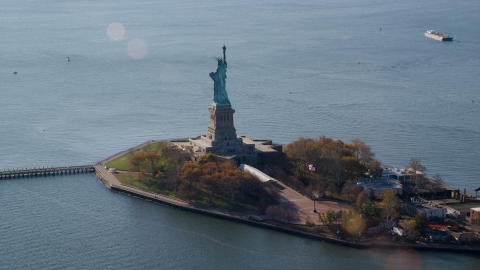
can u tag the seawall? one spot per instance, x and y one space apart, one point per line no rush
241 219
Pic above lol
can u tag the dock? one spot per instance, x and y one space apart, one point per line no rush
45 171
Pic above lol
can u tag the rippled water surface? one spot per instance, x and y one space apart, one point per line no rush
307 68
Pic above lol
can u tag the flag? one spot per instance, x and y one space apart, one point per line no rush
311 167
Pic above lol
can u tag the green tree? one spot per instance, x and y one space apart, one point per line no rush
410 227
421 221
152 159
365 205
328 219
205 159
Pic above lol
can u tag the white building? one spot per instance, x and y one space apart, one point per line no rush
379 185
429 209
398 174
257 174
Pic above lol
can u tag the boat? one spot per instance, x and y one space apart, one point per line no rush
438 36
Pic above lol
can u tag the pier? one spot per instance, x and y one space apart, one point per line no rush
45 171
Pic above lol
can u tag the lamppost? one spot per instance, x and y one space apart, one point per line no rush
315 196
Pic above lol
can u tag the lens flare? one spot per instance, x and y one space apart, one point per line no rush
115 31
137 49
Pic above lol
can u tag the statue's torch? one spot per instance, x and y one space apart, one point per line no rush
224 57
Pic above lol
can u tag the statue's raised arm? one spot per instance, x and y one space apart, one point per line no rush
220 96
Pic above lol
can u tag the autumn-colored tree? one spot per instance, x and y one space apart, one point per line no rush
351 191
362 151
418 171
335 161
390 205
174 157
152 159
173 181
301 152
375 169
137 162
352 167
190 173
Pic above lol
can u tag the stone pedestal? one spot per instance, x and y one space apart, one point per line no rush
221 127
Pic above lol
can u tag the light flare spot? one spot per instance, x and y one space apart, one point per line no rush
137 49
115 31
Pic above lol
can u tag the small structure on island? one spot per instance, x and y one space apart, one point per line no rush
402 175
256 173
473 217
430 209
380 184
221 137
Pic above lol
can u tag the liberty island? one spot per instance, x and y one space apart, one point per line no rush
222 141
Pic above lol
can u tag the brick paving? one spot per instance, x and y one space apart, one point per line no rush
303 207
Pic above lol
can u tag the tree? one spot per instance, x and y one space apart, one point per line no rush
351 191
152 158
173 157
190 173
330 218
272 211
326 218
418 170
421 221
374 169
438 180
365 205
390 205
173 181
362 151
137 161
410 227
205 159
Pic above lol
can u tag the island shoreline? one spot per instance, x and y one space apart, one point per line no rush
219 213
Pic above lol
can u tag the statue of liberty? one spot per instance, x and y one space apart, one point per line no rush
220 96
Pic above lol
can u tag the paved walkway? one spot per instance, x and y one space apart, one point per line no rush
290 200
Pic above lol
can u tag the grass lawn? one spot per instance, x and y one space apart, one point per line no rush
121 163
133 181
202 198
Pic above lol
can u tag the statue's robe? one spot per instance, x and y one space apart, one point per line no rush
219 91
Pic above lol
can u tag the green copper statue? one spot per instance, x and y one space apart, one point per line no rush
220 96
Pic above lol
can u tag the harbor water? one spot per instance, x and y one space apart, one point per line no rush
94 78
